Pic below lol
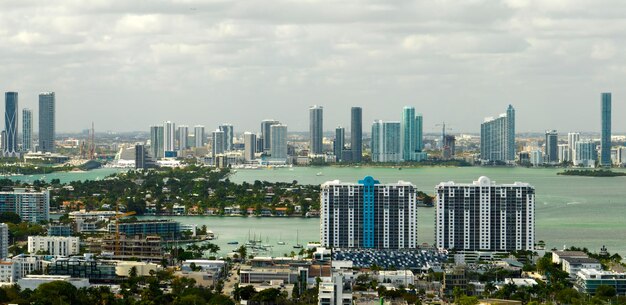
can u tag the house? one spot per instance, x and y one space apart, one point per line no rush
572 265
281 211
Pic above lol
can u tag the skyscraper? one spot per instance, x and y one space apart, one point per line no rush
218 143
340 138
552 148
572 138
368 215
27 130
386 146
156 142
198 135
10 123
249 143
497 138
278 147
316 130
266 134
586 153
142 158
485 216
605 145
419 125
228 136
169 136
409 133
356 134
183 135
47 122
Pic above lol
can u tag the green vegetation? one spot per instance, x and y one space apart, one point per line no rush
591 173
31 169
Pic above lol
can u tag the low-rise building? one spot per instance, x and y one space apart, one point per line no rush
557 256
24 264
7 273
167 229
59 230
123 268
54 245
33 281
215 266
83 267
334 292
136 247
572 265
588 280
396 277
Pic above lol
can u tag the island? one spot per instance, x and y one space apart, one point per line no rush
591 173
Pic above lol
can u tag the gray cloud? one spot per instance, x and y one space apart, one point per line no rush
129 64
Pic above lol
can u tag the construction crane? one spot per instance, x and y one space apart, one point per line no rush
117 218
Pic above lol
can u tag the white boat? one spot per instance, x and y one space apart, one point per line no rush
319 174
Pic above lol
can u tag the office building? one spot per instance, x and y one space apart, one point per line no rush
57 229
54 245
33 281
485 216
605 145
411 134
266 133
4 241
183 138
278 146
83 267
27 130
217 146
137 246
142 158
588 281
169 136
572 138
167 229
386 143
228 136
249 144
47 123
356 134
31 205
586 153
419 125
339 144
316 130
536 157
199 136
563 152
11 117
551 147
368 214
497 138
156 142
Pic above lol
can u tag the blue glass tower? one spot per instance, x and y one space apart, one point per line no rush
368 210
605 158
10 123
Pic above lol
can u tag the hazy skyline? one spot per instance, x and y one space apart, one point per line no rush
127 65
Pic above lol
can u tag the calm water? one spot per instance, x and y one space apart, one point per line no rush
64 177
581 211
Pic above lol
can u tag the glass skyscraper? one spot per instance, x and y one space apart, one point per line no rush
47 122
386 144
169 136
316 130
249 143
411 134
497 138
278 149
266 133
10 123
356 134
27 130
218 143
340 138
183 135
156 142
605 157
552 146
228 136
198 135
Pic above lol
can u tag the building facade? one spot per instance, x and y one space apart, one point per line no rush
47 123
167 229
386 143
497 138
368 214
411 134
249 145
339 144
4 241
11 117
156 142
31 205
316 130
54 245
266 133
586 153
27 130
183 138
605 145
169 136
485 216
572 138
278 146
228 136
199 136
356 134
552 147
217 146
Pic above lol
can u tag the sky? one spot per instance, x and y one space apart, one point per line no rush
126 65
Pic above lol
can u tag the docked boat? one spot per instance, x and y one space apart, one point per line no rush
233 242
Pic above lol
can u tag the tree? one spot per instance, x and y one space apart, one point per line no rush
57 292
132 273
10 217
465 300
191 299
605 291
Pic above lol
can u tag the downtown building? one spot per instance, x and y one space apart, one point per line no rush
47 122
605 144
316 130
485 216
412 135
10 125
386 143
368 215
497 138
27 130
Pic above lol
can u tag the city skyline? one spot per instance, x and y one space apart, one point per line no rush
545 58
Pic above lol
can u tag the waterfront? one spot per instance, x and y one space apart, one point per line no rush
65 177
571 210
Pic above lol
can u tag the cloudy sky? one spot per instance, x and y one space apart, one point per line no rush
129 64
